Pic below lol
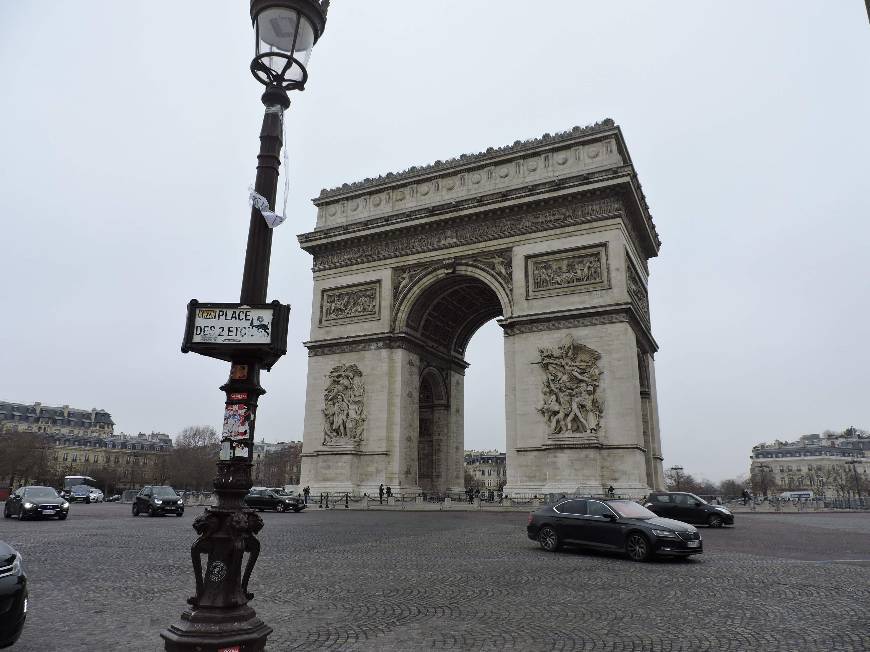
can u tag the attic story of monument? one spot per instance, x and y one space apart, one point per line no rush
552 238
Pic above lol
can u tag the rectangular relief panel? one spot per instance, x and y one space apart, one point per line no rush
636 288
571 270
350 303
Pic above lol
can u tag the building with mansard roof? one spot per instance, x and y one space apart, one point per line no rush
36 417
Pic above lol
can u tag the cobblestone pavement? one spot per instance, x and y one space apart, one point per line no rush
355 580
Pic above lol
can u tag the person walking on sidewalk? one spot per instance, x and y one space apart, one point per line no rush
306 492
381 494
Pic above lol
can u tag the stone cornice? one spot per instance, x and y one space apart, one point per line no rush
461 231
381 341
595 316
443 167
537 169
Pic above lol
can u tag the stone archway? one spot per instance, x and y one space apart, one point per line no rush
552 238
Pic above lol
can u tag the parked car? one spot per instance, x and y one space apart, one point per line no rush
35 502
113 498
616 525
269 499
13 595
688 508
80 494
154 500
96 496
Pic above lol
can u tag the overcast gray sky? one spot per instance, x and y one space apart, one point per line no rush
128 136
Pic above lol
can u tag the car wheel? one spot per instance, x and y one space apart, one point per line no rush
6 513
548 539
296 510
279 507
180 514
62 517
715 521
637 547
88 500
135 509
151 511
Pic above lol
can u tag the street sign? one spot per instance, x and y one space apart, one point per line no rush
237 325
237 332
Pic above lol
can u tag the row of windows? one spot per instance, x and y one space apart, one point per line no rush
827 453
74 457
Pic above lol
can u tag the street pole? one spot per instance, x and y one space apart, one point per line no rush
219 618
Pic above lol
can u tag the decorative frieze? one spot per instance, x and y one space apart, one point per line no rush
344 412
350 303
637 289
564 272
572 405
460 232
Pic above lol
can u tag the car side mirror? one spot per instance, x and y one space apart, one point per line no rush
610 517
697 504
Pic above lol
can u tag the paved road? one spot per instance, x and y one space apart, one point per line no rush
354 580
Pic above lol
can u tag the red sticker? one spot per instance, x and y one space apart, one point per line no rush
239 396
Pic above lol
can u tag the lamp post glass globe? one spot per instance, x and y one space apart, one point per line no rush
285 33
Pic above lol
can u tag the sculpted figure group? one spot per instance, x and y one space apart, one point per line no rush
571 401
344 406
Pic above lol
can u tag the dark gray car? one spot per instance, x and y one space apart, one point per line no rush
158 500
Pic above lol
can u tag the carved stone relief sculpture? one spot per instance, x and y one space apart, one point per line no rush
344 413
577 270
350 304
572 405
637 290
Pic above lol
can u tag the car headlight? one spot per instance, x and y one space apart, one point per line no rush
723 510
16 564
29 505
64 505
665 534
157 501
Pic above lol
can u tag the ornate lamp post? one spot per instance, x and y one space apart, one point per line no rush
764 469
219 617
854 462
677 472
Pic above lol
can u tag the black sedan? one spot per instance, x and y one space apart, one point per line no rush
35 502
158 500
688 508
13 595
270 499
618 525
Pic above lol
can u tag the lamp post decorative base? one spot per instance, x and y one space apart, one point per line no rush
219 618
217 630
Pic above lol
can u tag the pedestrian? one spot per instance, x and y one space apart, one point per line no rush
389 491
306 492
381 494
611 492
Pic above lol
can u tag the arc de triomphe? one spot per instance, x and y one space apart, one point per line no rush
552 237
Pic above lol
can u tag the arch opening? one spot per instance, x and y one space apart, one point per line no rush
443 316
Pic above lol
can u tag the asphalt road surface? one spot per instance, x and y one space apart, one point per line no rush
377 580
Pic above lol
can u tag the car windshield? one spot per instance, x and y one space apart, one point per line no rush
165 492
40 493
629 509
700 500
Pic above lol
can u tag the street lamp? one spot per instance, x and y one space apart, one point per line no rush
676 471
219 618
854 462
764 469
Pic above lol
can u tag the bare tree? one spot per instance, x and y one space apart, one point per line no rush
732 487
191 463
24 457
197 436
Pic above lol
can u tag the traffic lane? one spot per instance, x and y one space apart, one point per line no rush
804 537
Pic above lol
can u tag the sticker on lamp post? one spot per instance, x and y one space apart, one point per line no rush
236 422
